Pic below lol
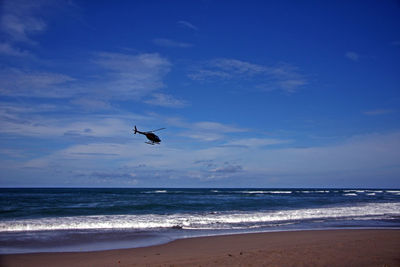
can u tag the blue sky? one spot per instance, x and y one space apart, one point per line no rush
251 93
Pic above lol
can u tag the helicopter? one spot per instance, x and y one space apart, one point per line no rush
154 139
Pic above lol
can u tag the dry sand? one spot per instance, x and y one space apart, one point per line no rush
300 248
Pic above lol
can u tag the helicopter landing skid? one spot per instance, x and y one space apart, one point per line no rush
152 143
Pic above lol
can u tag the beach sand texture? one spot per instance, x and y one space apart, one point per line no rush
298 248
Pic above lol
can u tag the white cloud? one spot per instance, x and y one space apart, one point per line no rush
363 153
378 112
163 100
15 110
395 43
132 63
208 131
352 56
123 76
203 74
131 76
228 168
170 43
203 136
282 76
238 67
256 142
19 122
290 86
187 25
19 28
16 82
20 20
9 50
216 127
90 103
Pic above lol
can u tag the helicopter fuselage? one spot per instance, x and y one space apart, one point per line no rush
151 136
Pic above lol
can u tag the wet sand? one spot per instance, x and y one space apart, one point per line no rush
299 248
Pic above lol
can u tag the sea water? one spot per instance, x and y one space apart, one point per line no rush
82 219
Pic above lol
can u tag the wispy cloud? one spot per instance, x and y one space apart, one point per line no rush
49 121
220 171
20 20
164 100
170 43
291 85
39 126
9 50
203 74
112 177
188 25
235 66
17 82
395 43
201 130
283 76
256 142
209 131
352 56
137 77
216 126
91 104
228 169
132 76
378 112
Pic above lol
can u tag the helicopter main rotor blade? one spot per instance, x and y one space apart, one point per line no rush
156 130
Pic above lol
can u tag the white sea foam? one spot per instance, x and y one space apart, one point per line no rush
350 194
254 192
199 221
156 192
265 192
313 191
395 192
354 191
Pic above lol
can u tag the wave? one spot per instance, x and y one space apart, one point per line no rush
155 192
213 220
264 192
313 191
395 192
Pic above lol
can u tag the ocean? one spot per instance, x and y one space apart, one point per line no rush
84 219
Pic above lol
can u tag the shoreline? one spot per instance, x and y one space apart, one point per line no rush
119 242
347 247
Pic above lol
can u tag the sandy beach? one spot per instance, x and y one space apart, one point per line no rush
298 248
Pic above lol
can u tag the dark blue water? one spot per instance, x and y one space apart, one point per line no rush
91 219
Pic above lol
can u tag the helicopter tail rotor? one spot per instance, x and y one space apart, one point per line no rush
135 130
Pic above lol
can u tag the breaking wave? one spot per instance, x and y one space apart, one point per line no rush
214 220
